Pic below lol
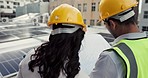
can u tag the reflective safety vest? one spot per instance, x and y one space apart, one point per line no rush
135 54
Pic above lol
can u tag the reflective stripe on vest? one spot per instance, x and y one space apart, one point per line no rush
134 53
130 56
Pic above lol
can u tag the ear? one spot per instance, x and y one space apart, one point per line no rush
112 24
84 29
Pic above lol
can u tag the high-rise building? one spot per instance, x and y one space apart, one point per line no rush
88 8
143 17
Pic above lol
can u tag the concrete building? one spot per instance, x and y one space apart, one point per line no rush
40 9
33 7
7 8
88 8
143 17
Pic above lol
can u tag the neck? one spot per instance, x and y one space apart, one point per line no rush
128 29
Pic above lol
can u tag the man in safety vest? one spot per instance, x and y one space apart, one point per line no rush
128 57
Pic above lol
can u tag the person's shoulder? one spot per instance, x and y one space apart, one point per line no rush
112 55
27 57
109 53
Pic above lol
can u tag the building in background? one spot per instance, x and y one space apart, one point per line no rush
14 8
37 7
7 8
143 17
88 8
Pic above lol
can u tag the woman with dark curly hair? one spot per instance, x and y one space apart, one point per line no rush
59 57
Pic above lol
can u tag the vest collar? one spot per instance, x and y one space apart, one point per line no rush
130 36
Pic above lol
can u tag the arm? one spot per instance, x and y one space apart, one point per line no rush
19 75
109 65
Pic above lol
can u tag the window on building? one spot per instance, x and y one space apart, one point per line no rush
14 6
14 12
7 2
145 15
79 7
144 28
84 7
93 7
45 0
146 1
98 23
14 3
98 5
84 21
1 6
8 7
92 22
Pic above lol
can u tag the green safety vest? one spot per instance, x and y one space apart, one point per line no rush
135 54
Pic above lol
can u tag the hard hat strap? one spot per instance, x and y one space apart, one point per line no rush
124 16
65 30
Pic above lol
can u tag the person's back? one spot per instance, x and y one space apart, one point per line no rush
89 52
25 73
134 52
127 58
59 57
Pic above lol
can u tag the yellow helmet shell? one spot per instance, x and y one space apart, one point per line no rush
66 14
108 8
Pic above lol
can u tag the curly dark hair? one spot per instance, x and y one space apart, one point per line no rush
59 54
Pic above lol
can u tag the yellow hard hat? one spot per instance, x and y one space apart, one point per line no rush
66 14
108 8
